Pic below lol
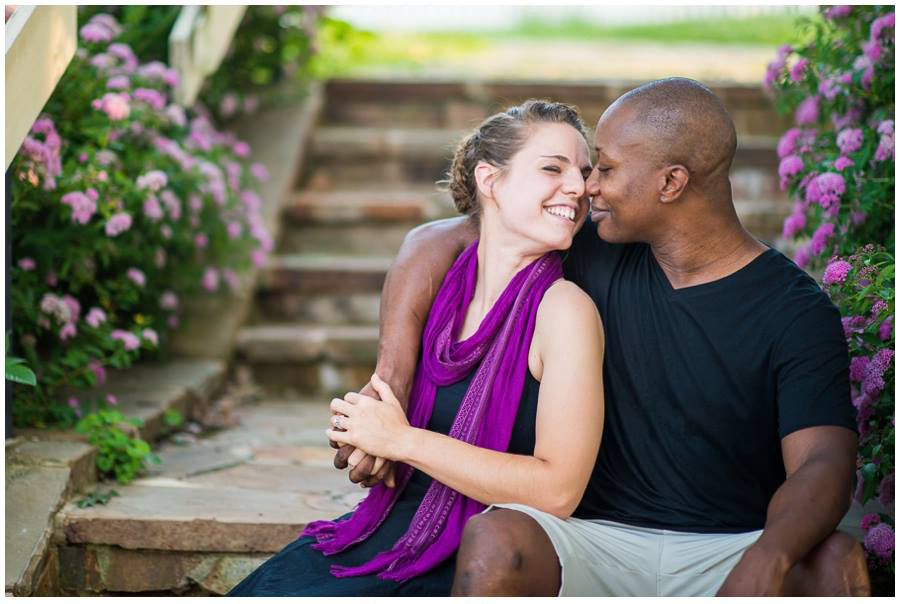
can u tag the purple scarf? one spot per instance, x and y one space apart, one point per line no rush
485 417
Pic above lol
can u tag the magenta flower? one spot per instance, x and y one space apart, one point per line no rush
241 149
114 105
234 229
786 144
175 114
259 172
886 329
231 278
880 540
820 238
880 24
173 321
27 264
105 158
151 336
83 207
166 231
94 32
873 50
118 82
836 272
168 300
885 148
807 111
55 306
789 167
201 240
95 317
869 520
154 180
150 96
858 368
73 403
210 279
96 367
229 105
251 200
259 257
850 140
826 189
173 204
873 382
195 202
128 339
51 279
837 12
111 399
74 307
797 71
118 223
793 224
68 330
829 88
843 162
152 209
107 21
124 53
137 276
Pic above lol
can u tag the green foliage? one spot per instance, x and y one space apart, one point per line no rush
96 498
118 454
16 371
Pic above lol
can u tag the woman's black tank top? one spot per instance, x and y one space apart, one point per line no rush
446 404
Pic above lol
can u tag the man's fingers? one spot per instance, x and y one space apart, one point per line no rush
342 455
356 457
362 470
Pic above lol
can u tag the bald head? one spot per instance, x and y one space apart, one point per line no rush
680 121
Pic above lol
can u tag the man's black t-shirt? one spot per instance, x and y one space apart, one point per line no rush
702 383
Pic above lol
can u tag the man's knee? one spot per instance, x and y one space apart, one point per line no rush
498 553
836 567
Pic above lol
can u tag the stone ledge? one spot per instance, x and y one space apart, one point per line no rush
309 343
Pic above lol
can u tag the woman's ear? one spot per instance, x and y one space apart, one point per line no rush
485 177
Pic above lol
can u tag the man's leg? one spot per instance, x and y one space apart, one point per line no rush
506 553
836 567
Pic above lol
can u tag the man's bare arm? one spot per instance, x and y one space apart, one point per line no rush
427 253
819 463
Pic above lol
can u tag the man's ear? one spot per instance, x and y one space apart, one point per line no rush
485 177
674 181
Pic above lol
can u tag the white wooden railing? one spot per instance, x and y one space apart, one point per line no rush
41 41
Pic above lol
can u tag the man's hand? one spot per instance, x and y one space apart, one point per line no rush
365 468
759 573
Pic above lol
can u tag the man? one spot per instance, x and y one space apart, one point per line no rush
729 444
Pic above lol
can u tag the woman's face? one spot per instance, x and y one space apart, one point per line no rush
541 193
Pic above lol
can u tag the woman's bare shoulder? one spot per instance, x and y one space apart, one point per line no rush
566 311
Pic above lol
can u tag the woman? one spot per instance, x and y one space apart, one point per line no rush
507 405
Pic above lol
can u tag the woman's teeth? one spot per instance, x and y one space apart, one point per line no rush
562 212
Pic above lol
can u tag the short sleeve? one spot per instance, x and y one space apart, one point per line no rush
813 371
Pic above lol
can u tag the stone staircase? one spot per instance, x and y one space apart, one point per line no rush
225 501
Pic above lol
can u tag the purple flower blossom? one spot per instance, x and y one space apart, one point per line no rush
826 189
850 140
873 50
74 307
118 223
843 162
820 238
83 207
111 399
885 148
829 88
241 149
55 306
168 300
152 209
231 279
789 167
73 403
210 279
68 331
259 257
96 367
836 272
837 12
95 32
151 336
261 173
115 105
175 114
251 200
128 339
124 53
234 229
797 71
880 540
879 306
27 264
107 21
229 105
105 158
150 96
166 231
886 490
173 204
807 111
880 24
137 276
873 382
95 317
886 329
201 240
118 82
869 520
51 279
195 202
172 321
153 180
858 368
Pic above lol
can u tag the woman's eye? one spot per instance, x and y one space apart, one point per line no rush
554 169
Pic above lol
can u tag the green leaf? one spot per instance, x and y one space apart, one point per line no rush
21 375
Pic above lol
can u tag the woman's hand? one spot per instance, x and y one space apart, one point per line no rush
377 427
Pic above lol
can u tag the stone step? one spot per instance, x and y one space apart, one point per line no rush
366 206
342 156
319 360
325 309
312 274
463 104
200 525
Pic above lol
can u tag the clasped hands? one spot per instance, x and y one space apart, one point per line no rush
368 431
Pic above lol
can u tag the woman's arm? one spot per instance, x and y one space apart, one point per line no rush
568 426
411 284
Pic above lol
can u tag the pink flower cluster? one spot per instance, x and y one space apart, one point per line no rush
789 167
821 236
156 70
807 111
774 68
44 156
879 540
836 272
83 205
153 180
826 189
101 28
128 339
837 12
885 148
115 105
849 140
118 223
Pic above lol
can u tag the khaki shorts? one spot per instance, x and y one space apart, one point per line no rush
605 558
